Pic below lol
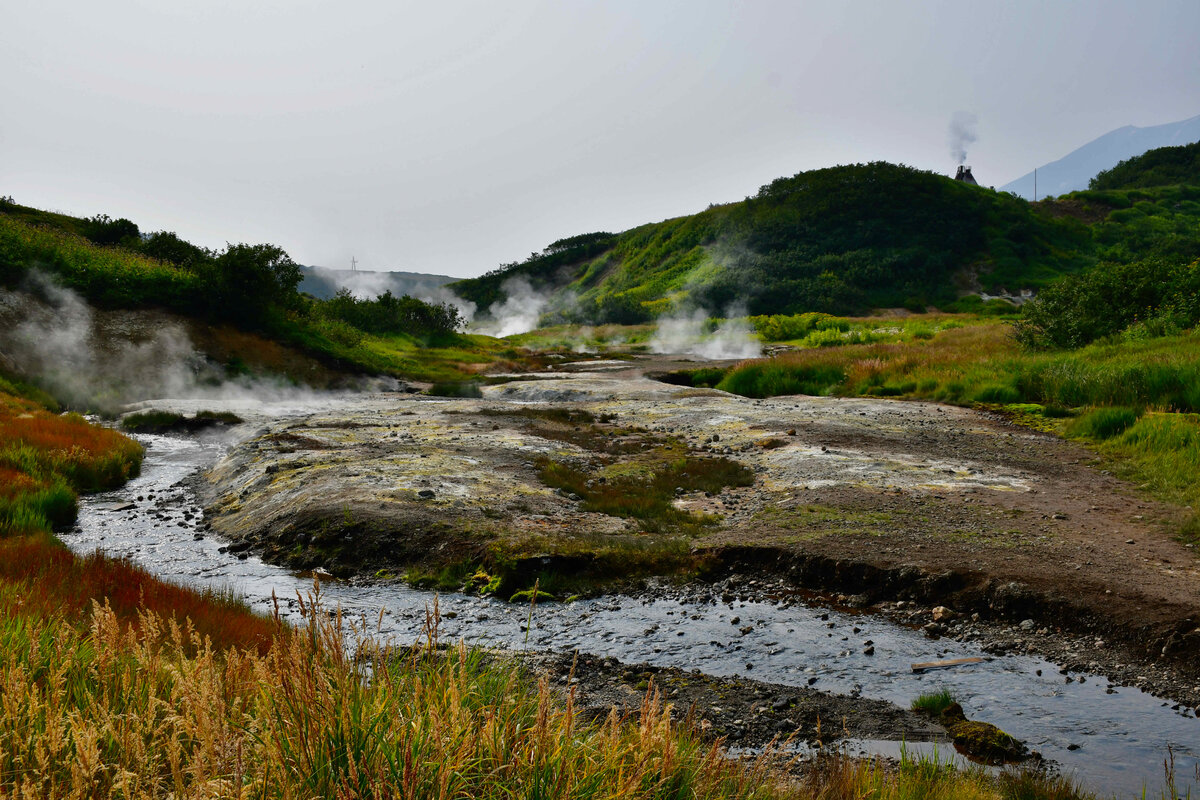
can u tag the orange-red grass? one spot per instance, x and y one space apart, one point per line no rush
14 483
53 581
89 456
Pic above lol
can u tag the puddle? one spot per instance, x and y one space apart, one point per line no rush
1114 743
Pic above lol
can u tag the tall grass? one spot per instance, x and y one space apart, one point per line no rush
983 363
148 711
45 458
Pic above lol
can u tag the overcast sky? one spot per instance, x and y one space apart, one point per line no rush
450 137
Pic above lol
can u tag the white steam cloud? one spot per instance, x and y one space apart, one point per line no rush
519 313
105 360
689 334
962 134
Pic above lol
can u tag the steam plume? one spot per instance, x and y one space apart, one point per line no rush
689 334
103 360
520 311
962 134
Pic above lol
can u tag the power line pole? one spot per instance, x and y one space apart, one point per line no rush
353 264
1035 184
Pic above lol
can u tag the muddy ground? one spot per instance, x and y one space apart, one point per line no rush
742 711
1019 533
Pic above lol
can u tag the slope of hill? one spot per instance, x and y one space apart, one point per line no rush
1073 171
841 239
323 282
1164 166
240 306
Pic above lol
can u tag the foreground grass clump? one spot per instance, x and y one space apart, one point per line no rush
145 711
934 703
39 576
920 777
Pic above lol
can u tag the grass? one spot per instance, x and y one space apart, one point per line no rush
118 711
162 421
647 497
934 703
1104 423
45 458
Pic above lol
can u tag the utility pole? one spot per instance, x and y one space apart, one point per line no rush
353 264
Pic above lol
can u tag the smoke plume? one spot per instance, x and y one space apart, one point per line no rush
962 134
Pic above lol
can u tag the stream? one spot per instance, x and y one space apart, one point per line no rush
1111 738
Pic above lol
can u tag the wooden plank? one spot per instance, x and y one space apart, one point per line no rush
953 662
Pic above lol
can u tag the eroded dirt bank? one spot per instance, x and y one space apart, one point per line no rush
881 500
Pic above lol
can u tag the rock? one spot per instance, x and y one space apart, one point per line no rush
1027 625
943 614
869 651
982 740
426 494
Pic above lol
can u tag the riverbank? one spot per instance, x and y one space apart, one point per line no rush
898 501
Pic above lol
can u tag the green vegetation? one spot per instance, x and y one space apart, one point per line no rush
834 240
46 458
455 389
162 421
934 703
1160 167
1146 299
646 495
851 238
252 287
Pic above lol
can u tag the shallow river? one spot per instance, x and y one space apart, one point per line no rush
1112 738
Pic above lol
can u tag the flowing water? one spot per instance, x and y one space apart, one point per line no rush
1114 739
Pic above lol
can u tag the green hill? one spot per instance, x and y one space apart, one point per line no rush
245 298
842 239
1163 166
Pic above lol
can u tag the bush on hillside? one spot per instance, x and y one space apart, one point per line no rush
1106 300
388 314
101 229
245 280
1162 166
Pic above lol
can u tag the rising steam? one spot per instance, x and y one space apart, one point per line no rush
520 311
690 334
962 134
106 360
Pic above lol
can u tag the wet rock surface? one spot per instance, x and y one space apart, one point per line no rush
742 711
890 500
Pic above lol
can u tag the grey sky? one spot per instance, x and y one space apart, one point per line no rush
450 137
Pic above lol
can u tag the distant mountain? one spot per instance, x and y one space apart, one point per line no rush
1072 172
322 282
